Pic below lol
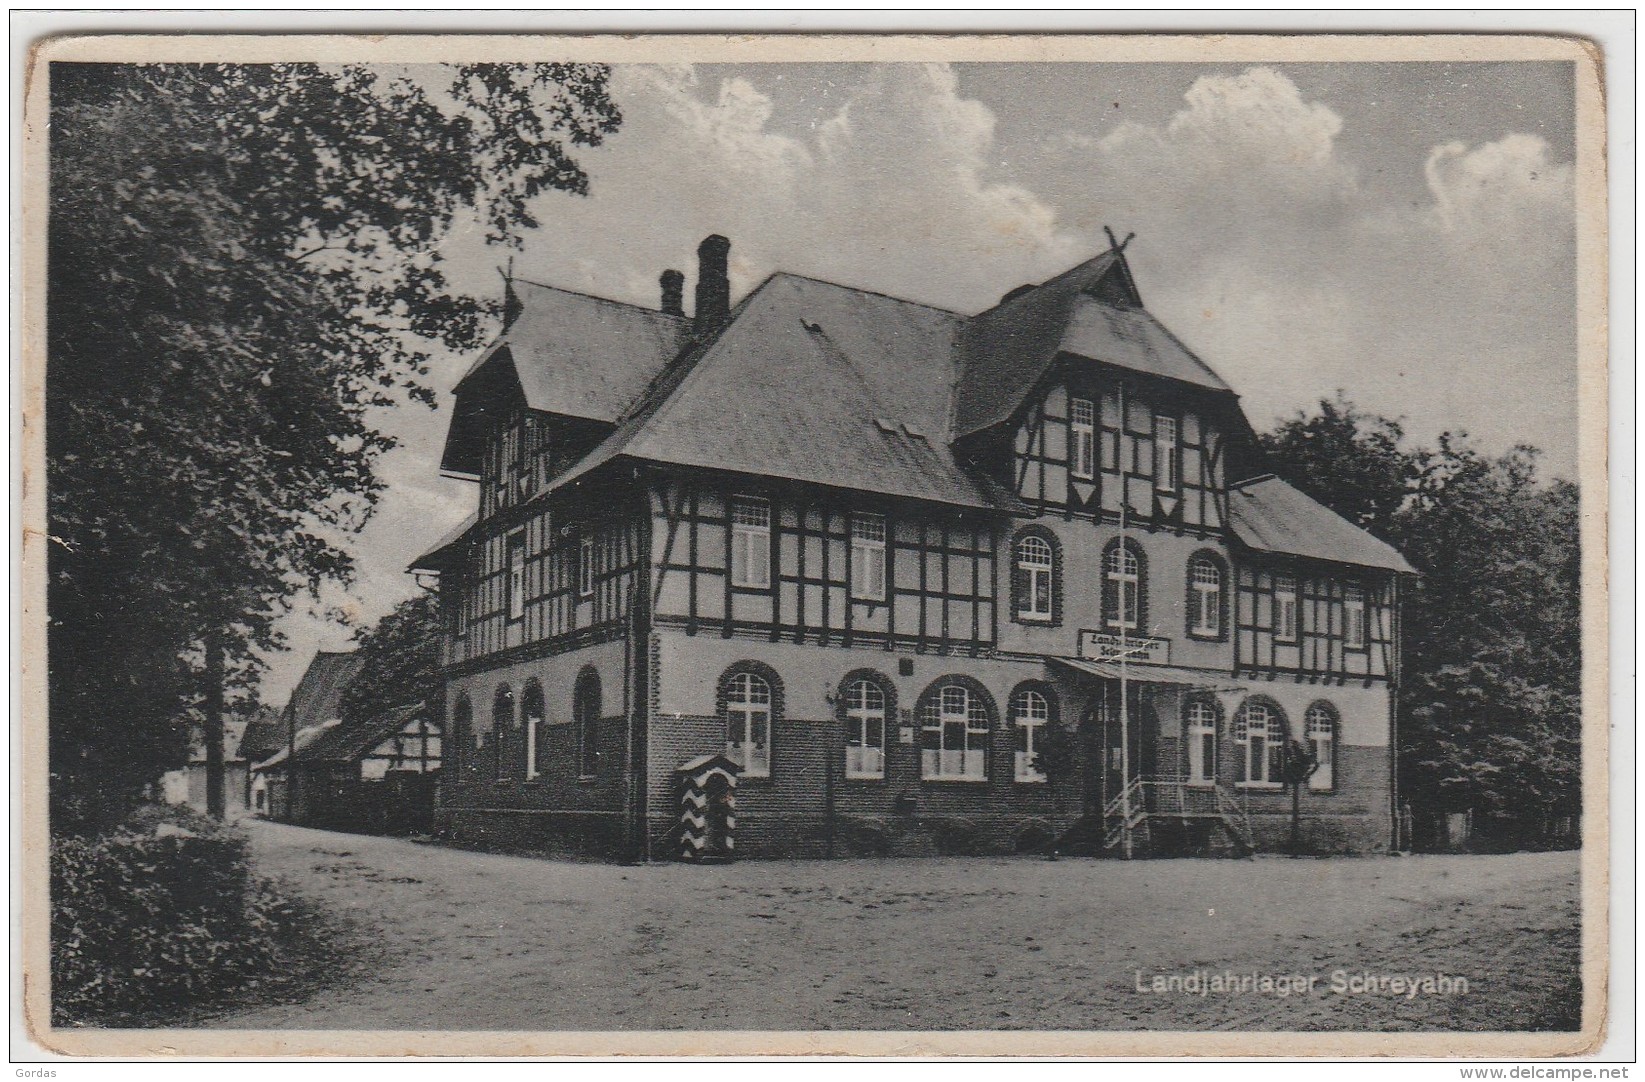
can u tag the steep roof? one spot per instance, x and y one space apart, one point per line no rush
318 696
811 381
265 734
566 353
584 356
1269 515
349 740
435 559
1091 311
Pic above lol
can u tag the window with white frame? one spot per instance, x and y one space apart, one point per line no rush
1285 608
1202 741
864 730
1081 437
1322 734
1165 453
1123 597
750 542
748 724
531 710
1029 712
954 735
585 566
1259 733
1353 617
516 575
1035 562
868 557
1204 597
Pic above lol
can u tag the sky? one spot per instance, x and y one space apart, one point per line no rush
1402 232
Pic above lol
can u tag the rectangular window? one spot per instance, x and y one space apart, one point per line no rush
531 763
868 557
510 464
1165 454
516 575
585 567
1082 437
1353 617
750 543
1285 608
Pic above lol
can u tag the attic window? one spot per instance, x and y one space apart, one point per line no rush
912 433
814 328
885 426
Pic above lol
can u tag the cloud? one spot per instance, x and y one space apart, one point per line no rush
1259 245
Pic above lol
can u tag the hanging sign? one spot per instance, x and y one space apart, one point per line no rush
1136 649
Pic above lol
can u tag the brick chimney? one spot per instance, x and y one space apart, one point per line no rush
713 283
673 283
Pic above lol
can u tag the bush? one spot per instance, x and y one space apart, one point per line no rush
147 925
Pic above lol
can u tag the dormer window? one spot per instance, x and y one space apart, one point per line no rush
1082 437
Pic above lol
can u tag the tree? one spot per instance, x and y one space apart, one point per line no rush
1351 461
1056 757
243 262
1489 707
1297 765
400 660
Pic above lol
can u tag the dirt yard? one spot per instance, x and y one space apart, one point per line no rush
460 940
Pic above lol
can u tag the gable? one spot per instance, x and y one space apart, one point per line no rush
1090 313
567 354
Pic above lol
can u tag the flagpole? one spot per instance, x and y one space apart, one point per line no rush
1125 649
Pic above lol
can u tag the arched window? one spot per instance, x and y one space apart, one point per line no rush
864 705
1200 729
1259 731
1031 709
502 720
462 731
1205 596
1124 587
1321 724
954 733
585 713
531 719
1035 580
748 723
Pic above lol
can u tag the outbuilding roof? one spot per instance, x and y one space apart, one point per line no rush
318 697
1268 515
351 739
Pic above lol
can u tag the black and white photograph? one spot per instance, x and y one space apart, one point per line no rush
867 546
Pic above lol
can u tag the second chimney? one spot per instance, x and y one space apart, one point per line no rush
713 283
673 283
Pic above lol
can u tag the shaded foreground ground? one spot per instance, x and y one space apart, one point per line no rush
460 940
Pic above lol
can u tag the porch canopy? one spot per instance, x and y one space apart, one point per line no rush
1180 676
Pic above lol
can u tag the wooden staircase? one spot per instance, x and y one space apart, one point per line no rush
1129 818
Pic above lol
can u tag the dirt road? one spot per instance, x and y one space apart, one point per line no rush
466 940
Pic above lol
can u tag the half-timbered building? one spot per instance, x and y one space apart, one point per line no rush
867 550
